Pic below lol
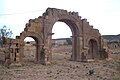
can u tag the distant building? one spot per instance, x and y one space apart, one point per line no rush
61 41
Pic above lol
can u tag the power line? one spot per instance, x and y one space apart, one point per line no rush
20 13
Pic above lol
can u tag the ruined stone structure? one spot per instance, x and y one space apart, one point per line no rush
86 41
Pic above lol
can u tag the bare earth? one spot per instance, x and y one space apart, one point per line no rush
64 69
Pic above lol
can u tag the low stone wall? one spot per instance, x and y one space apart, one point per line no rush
2 55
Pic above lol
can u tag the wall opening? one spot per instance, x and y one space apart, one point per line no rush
30 50
93 49
61 42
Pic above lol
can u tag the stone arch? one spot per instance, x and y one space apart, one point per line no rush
30 50
37 39
72 25
93 48
34 35
83 34
74 31
72 20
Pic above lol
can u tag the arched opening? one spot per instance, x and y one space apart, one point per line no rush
30 50
93 49
61 42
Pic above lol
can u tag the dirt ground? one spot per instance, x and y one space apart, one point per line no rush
64 69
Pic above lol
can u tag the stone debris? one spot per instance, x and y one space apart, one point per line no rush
62 70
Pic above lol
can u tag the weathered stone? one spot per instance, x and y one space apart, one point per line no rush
84 36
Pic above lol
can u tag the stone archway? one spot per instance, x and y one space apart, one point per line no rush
30 50
74 25
93 51
41 30
61 42
24 51
72 19
73 31
37 38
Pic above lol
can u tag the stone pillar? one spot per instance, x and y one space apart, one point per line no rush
84 54
41 53
44 51
76 41
79 47
21 51
17 51
47 55
17 55
38 51
49 49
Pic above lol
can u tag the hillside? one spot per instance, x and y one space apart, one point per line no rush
111 37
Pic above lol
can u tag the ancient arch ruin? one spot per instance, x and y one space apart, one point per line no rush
86 40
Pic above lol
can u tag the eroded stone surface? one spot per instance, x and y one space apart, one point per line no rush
86 41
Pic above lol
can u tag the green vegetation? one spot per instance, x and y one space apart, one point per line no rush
4 34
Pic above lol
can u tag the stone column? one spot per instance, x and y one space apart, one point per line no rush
45 55
76 42
38 53
21 51
41 54
49 49
84 54
18 58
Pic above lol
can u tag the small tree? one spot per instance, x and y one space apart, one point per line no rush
4 34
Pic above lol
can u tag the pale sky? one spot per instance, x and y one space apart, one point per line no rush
102 14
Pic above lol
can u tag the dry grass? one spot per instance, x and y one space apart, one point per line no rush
64 69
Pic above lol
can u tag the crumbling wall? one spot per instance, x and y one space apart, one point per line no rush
2 55
40 29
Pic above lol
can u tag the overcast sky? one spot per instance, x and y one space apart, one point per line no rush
102 14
